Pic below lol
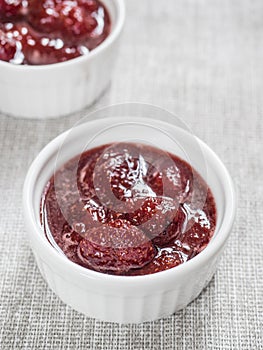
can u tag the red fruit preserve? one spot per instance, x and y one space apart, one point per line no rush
128 209
38 32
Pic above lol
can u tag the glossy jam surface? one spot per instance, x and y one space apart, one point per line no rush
39 32
128 209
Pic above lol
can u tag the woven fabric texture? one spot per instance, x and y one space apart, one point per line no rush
203 61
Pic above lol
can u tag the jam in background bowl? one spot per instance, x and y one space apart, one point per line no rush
128 299
57 89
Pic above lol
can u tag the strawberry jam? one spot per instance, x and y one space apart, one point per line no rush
37 32
128 209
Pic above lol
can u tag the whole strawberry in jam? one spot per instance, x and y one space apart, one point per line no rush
42 50
171 179
13 9
71 19
167 257
120 174
172 227
116 248
160 218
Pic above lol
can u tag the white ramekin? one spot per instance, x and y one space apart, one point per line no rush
127 299
59 89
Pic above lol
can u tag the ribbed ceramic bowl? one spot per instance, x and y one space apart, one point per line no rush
127 299
59 89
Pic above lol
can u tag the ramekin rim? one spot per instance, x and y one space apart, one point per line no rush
113 35
213 247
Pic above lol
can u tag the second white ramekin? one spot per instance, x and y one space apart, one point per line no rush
59 89
120 298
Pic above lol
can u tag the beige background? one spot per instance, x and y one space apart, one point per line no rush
203 60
